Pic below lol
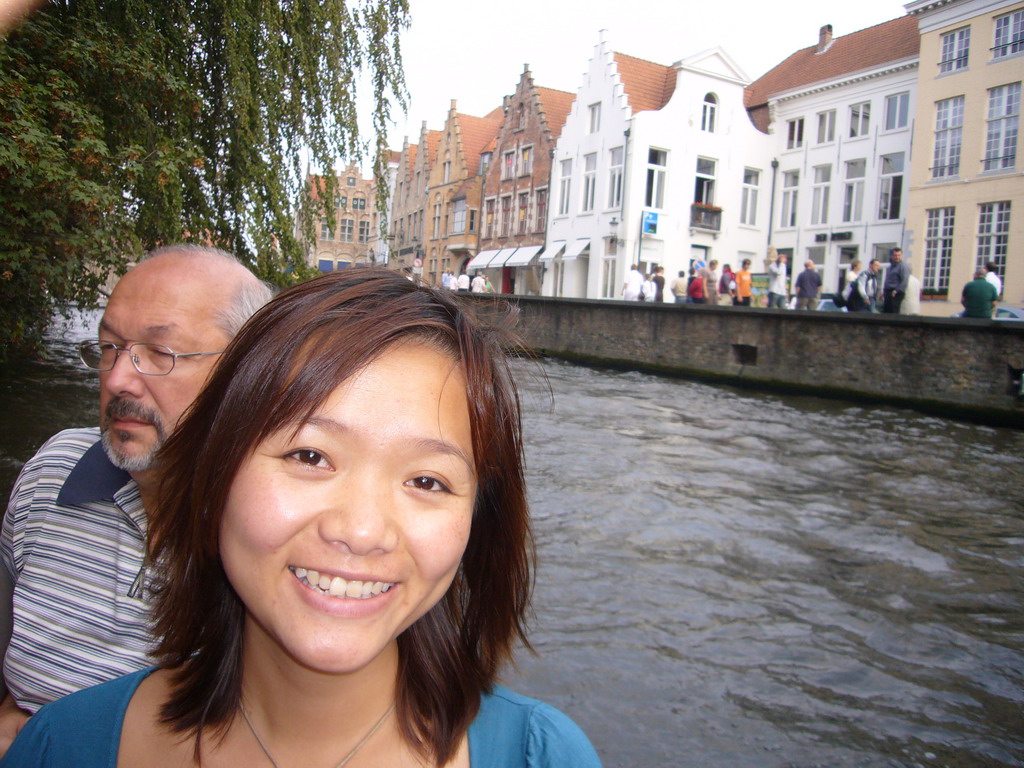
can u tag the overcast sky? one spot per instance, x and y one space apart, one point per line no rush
474 51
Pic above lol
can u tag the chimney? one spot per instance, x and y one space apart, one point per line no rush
824 38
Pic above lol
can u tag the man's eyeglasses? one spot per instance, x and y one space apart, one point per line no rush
149 359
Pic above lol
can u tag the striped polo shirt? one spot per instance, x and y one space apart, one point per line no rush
73 542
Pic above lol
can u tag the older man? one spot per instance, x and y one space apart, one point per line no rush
808 283
896 278
76 603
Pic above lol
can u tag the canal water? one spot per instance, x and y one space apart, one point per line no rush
730 579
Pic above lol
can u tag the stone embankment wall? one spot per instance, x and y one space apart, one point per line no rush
952 367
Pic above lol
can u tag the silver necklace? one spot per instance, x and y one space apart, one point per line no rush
344 760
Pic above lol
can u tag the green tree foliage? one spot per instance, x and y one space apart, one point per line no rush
125 124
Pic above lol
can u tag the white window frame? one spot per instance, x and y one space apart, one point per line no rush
709 113
526 160
860 119
1001 128
616 156
897 111
1009 35
508 164
993 235
827 126
790 198
853 190
564 187
589 183
955 49
820 194
949 122
751 191
795 133
459 216
595 117
890 185
938 248
704 188
657 172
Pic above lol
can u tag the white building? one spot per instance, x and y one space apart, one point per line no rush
841 119
656 165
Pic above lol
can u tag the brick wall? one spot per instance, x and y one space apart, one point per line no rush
951 367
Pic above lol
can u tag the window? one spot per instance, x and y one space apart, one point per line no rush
890 187
790 182
795 133
704 189
819 198
506 215
508 165
993 234
447 167
521 117
459 216
938 249
347 228
657 160
351 181
524 213
595 117
955 46
489 218
897 109
358 203
748 205
853 191
615 178
342 202
364 231
1009 35
485 163
565 188
860 119
526 161
1001 134
708 113
608 279
949 121
826 126
437 220
325 231
542 209
472 219
589 182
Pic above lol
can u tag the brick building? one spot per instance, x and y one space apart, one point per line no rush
516 186
353 235
408 205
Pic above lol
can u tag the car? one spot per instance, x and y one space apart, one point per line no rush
1013 314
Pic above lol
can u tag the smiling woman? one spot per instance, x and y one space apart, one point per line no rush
345 552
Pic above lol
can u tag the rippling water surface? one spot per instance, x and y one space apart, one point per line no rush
728 579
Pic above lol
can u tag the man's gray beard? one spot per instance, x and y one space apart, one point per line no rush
119 407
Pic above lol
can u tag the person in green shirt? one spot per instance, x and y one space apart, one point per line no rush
979 297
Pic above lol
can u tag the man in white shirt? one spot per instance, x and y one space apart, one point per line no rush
993 277
634 282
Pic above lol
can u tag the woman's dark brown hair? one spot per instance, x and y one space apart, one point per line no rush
278 371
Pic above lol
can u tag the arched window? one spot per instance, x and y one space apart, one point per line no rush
708 114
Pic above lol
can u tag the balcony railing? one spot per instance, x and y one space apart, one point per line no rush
705 216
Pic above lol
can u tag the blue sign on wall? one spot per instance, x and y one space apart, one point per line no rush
650 223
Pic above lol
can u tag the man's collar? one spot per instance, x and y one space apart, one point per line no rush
94 478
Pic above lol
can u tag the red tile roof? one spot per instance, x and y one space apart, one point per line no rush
556 106
865 49
412 155
648 85
478 133
433 142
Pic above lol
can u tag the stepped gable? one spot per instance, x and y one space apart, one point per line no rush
555 105
648 86
476 135
433 142
412 153
865 49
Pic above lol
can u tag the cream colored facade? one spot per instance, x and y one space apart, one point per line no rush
971 211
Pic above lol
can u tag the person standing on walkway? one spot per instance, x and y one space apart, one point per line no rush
463 282
862 291
992 275
679 286
895 286
659 284
778 284
727 285
710 279
744 286
979 297
634 282
808 283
